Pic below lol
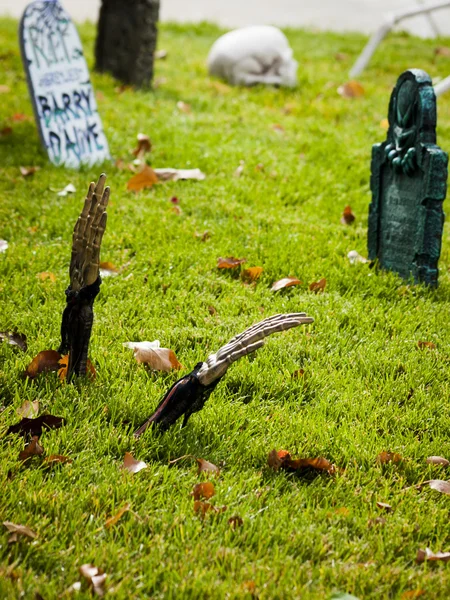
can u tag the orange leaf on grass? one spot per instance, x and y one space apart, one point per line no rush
132 465
206 467
205 507
235 521
387 457
119 514
251 274
146 178
351 89
230 262
46 276
31 449
412 594
64 365
56 459
347 216
430 345
47 360
284 283
318 286
203 490
281 459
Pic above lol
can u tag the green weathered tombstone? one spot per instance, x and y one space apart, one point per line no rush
409 183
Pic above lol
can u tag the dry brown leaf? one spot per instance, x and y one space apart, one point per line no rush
119 514
212 311
19 530
108 269
384 506
28 409
46 276
230 262
284 283
430 345
442 51
347 216
412 594
318 286
282 459
169 174
64 366
151 354
31 449
206 467
56 459
278 128
95 578
427 554
387 457
146 178
438 460
144 145
160 54
184 107
14 339
34 427
340 56
132 465
205 507
351 89
440 486
235 521
251 274
203 236
298 374
203 490
47 360
27 171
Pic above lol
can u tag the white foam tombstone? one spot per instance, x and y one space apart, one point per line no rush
60 88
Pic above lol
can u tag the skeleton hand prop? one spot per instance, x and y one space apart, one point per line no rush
189 394
84 278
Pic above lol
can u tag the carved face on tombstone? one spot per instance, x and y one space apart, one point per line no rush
401 152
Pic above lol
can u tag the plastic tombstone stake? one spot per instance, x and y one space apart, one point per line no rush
84 278
409 184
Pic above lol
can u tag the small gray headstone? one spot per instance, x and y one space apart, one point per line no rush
60 88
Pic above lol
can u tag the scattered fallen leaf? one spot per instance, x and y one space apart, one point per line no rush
384 124
119 514
205 507
184 107
251 274
14 339
34 427
203 490
28 409
235 521
412 594
376 521
347 216
46 276
282 459
212 311
442 51
146 178
354 257
318 286
440 486
386 457
27 171
56 459
230 262
278 128
69 189
206 467
107 269
47 360
351 89
430 345
384 506
6 131
4 89
240 169
18 530
132 465
340 56
157 358
3 245
284 283
168 174
343 511
438 460
144 145
95 578
31 449
298 374
249 587
203 236
19 117
427 554
64 366
161 54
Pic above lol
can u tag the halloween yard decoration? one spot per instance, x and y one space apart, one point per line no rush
126 40
60 88
84 278
189 394
408 183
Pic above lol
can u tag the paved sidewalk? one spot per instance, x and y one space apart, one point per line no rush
339 15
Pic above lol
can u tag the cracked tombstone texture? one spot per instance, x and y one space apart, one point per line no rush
126 40
60 88
408 184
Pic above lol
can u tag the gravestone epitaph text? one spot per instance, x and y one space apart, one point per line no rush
408 183
60 87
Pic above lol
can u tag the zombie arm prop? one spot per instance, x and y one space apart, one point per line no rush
189 394
84 278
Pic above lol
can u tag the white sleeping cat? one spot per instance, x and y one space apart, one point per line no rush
259 54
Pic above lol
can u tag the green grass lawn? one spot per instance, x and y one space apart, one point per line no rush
367 388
